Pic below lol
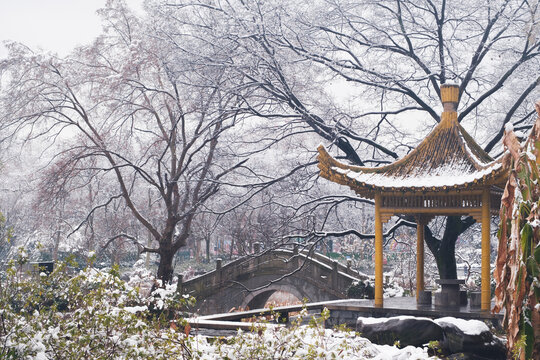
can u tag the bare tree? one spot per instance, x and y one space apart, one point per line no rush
156 103
391 54
122 114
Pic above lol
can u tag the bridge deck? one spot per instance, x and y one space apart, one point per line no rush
347 311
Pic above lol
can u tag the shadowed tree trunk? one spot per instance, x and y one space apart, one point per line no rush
444 250
207 242
166 268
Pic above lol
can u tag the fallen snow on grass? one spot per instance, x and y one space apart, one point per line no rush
387 352
304 342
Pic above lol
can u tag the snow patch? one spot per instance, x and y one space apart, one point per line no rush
372 320
41 356
448 175
469 327
451 83
387 352
135 309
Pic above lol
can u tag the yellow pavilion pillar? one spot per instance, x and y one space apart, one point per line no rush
378 253
419 256
486 250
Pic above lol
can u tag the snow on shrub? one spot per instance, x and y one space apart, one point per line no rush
93 314
365 289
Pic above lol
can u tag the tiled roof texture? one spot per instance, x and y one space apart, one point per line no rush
448 158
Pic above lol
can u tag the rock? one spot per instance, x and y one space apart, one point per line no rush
463 339
471 337
407 330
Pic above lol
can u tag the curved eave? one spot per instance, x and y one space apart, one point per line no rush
473 151
491 174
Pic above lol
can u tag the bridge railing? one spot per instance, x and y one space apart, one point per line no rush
321 266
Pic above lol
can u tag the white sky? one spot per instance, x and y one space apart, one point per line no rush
53 25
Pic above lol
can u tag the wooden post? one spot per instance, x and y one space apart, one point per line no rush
378 253
419 256
486 274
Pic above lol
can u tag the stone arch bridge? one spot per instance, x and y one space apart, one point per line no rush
248 282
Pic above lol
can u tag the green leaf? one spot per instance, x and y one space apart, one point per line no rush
524 176
536 293
518 280
524 209
529 333
526 237
532 267
537 253
534 170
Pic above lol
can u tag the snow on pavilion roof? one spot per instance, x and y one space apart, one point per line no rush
448 158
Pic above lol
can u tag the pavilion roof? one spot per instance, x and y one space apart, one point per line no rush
448 158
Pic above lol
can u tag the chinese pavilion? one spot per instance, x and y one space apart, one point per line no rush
447 174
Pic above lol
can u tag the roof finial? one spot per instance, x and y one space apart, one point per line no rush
450 96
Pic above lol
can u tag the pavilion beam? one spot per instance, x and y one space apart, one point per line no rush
419 256
378 253
439 211
486 250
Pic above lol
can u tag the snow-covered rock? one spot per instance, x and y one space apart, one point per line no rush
468 338
407 330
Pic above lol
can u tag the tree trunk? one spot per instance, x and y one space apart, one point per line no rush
446 258
56 246
232 248
165 268
207 241
197 249
444 250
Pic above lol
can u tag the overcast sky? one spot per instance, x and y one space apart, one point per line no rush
54 25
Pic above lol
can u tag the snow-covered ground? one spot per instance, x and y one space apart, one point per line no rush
304 342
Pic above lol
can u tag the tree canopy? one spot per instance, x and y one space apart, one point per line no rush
203 112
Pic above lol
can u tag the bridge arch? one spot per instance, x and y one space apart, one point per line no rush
258 299
304 275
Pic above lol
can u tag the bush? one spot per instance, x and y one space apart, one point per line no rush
296 342
93 314
361 290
